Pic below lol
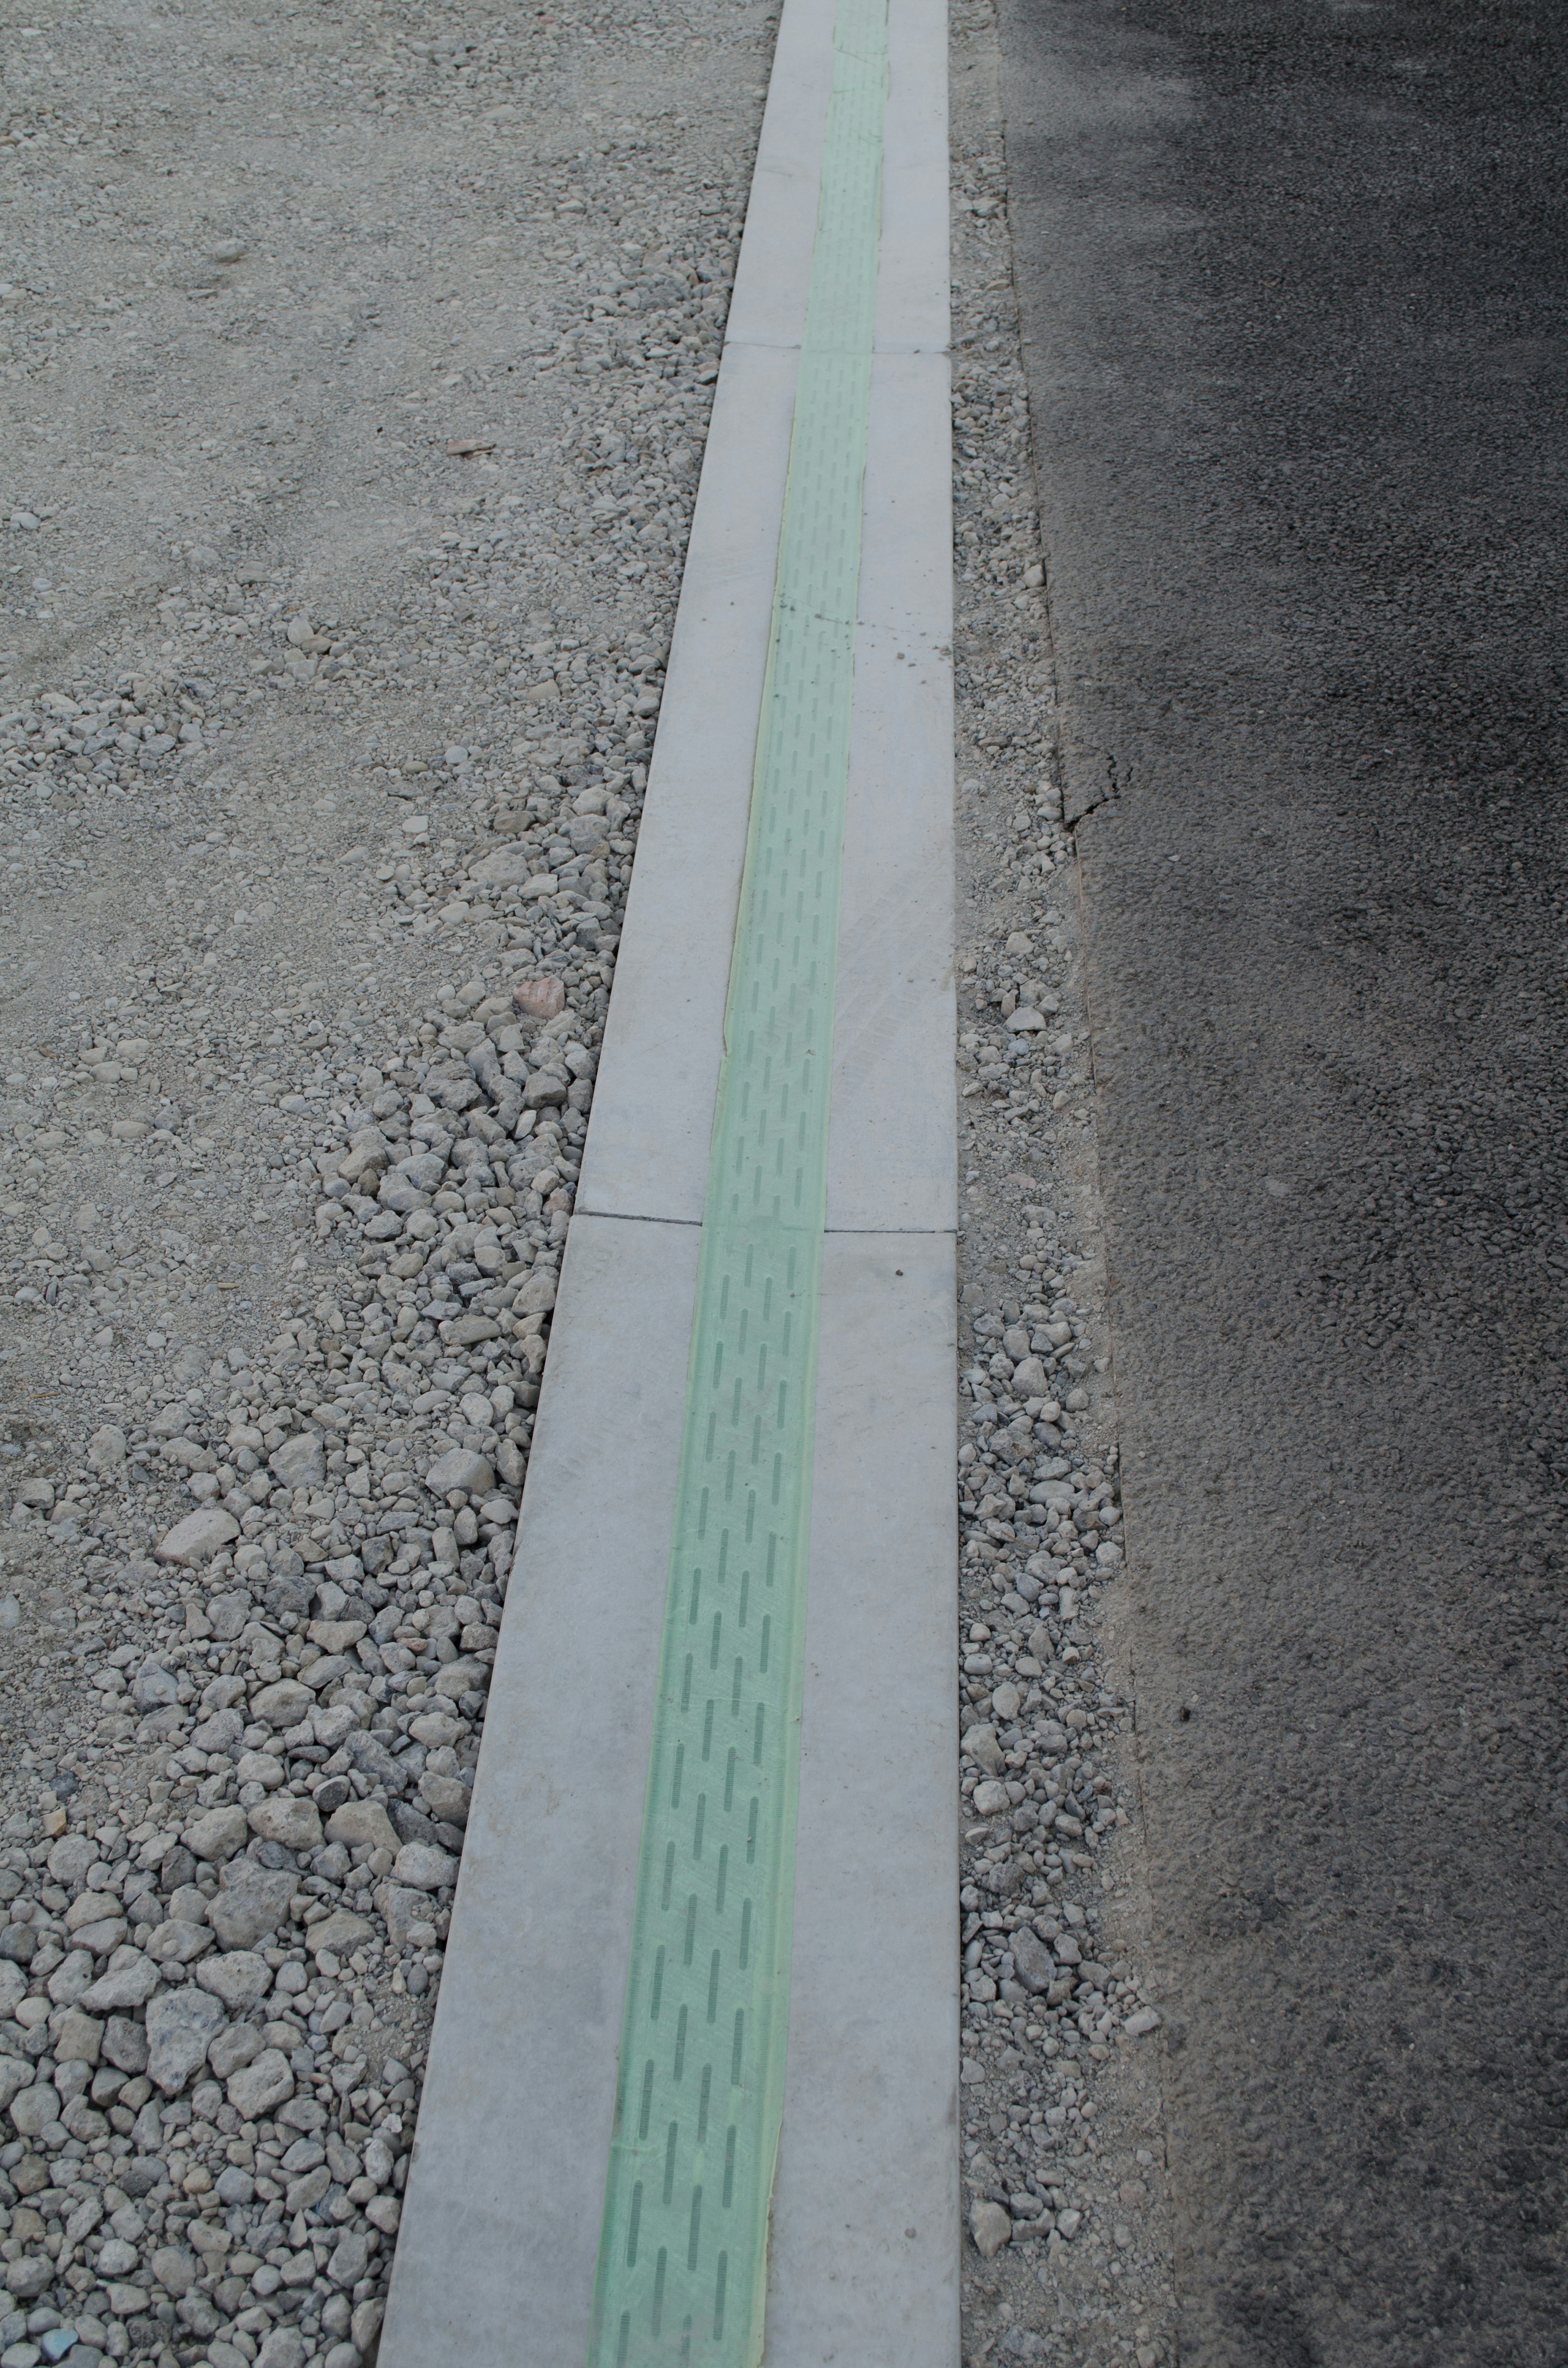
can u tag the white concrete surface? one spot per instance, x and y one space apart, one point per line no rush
913 304
767 307
891 1155
502 2201
891 1158
646 1154
864 2267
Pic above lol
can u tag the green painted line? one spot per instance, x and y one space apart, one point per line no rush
683 2252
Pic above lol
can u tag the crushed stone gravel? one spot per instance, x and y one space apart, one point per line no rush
1067 2252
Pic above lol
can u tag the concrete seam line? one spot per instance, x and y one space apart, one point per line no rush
683 2257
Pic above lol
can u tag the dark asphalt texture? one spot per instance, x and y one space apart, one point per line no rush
1296 316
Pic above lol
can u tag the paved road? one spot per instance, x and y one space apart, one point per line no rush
1293 283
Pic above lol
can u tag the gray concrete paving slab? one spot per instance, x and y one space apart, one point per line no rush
891 1161
647 1152
865 2260
503 2200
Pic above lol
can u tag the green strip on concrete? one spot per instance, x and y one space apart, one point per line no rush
683 2252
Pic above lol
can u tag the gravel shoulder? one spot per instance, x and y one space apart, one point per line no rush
357 373
1069 2239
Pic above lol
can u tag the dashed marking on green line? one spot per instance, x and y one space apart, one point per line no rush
683 2250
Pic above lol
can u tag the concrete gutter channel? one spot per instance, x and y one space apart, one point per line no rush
504 2196
971 2163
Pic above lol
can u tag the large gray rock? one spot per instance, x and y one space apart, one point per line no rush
349 2262
240 1978
455 1679
77 2116
217 1733
299 1462
469 1329
367 1154
325 1673
69 1980
508 867
35 2110
256 2088
365 2325
238 2044
181 2026
99 1936
16 2074
980 1744
246 1911
199 1537
125 2044
424 1868
375 1760
129 1981
70 1857
536 1296
228 1614
460 1468
423 1170
340 1932
336 1636
155 1688
362 1821
990 2226
218 1834
176 2270
288 1820
446 1798
284 2347
178 1942
1032 1961
333 1723
403 1909
283 1705
399 1193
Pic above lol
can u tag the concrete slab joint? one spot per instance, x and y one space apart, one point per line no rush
507 2190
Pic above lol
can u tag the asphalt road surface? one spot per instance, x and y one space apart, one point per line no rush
1294 292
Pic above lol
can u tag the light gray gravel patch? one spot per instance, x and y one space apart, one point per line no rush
1068 2244
358 372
